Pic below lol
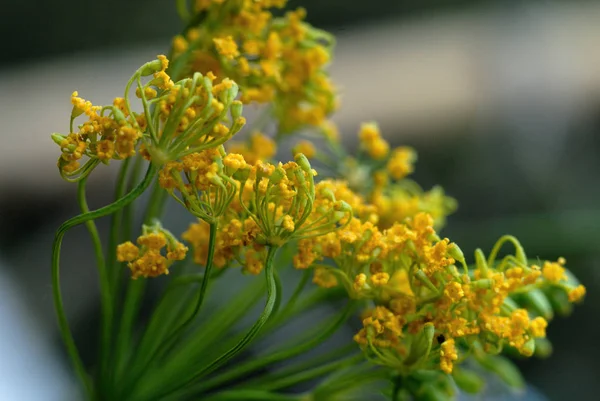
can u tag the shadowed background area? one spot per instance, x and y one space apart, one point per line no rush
501 99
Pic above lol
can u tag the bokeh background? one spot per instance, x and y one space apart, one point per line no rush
500 98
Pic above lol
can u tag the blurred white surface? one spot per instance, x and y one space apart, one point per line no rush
30 368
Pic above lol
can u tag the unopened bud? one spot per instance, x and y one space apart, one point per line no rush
303 163
528 348
150 68
119 116
504 368
277 175
559 300
468 381
421 346
456 253
481 263
543 347
537 302
58 138
236 109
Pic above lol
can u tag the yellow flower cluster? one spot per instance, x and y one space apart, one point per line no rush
410 275
235 241
274 60
202 181
372 142
158 249
193 115
274 204
417 284
106 134
257 147
381 176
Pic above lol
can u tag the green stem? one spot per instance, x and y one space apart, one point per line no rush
63 323
182 10
163 348
339 384
128 216
105 290
272 296
519 251
296 368
135 291
282 355
248 395
115 226
312 373
295 295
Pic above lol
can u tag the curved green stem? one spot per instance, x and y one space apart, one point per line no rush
295 295
63 323
105 290
116 225
519 251
298 367
272 296
312 373
163 348
135 290
282 355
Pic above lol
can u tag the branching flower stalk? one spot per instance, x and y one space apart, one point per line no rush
365 232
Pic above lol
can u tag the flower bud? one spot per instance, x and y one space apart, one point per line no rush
543 347
150 68
119 116
277 176
58 138
536 301
236 109
559 300
456 253
303 163
468 381
528 348
502 367
481 263
421 346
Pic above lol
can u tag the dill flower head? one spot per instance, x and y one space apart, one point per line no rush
276 60
156 250
202 181
191 116
107 134
283 199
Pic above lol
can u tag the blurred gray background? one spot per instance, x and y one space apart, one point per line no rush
500 98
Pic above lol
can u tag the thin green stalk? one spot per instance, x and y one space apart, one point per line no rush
128 216
116 225
135 291
149 341
105 290
166 345
297 292
300 367
63 323
254 330
346 379
285 354
311 373
250 395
